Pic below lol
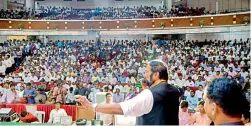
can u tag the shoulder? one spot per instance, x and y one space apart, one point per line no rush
167 88
61 110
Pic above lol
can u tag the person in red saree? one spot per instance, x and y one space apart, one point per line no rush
27 117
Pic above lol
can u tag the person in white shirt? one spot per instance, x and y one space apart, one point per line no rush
104 79
118 86
131 79
189 82
33 77
20 93
108 119
244 73
19 85
2 69
26 78
141 70
187 92
113 80
199 92
8 79
180 82
43 78
56 114
171 80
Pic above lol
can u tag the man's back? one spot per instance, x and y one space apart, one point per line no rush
165 107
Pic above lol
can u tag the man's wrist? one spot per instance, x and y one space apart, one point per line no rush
94 106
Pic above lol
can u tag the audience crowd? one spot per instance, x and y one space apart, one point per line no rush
56 71
69 13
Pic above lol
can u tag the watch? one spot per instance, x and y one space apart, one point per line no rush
94 107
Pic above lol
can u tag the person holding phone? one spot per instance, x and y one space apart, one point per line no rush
157 105
30 94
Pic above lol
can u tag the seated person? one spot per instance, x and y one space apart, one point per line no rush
200 117
70 97
185 118
56 114
40 98
27 117
107 118
192 100
50 101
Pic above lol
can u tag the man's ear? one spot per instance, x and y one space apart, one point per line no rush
215 109
156 74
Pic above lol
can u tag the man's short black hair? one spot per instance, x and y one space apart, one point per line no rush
159 66
58 102
106 88
24 113
184 104
107 94
28 84
71 89
228 94
201 103
40 89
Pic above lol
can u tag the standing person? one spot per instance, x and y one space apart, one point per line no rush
59 93
30 94
11 94
224 102
158 105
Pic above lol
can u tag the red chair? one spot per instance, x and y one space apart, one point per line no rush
36 83
15 83
101 85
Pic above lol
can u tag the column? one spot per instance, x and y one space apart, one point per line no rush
217 6
168 4
30 4
3 4
146 37
45 39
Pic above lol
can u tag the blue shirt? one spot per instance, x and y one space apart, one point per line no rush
16 79
197 83
192 101
122 79
32 92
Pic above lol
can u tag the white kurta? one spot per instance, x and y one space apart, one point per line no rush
56 115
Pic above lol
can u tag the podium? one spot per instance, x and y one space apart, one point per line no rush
84 113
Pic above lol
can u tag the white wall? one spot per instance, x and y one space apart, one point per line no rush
219 36
1 4
30 4
93 37
3 38
210 5
99 3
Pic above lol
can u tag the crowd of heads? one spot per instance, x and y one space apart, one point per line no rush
103 13
58 70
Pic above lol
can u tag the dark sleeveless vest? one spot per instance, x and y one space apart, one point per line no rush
165 110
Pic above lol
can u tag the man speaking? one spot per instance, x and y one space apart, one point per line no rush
157 105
